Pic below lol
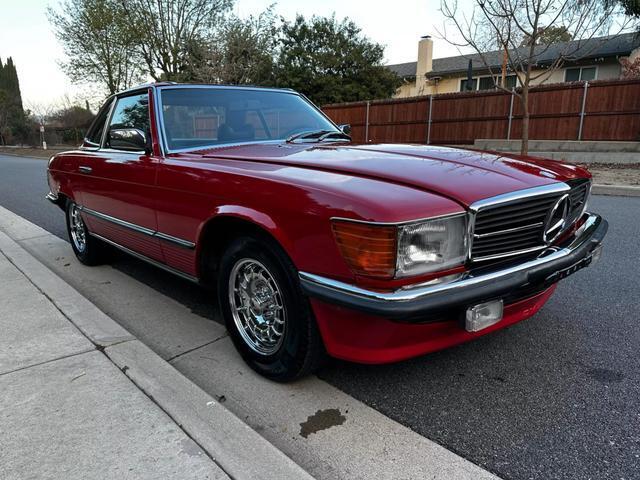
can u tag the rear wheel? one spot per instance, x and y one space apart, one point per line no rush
88 250
267 316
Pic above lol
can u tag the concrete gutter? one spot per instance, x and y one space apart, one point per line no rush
618 190
240 451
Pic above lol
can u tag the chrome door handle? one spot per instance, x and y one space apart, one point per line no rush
85 169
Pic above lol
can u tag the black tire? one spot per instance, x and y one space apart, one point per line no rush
95 252
301 350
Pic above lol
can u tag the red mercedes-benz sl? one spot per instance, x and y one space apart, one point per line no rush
316 245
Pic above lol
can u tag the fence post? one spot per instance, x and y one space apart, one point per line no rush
510 116
582 112
429 121
366 125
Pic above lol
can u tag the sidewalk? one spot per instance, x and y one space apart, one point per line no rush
202 365
81 398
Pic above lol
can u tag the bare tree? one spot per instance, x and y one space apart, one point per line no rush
509 24
166 31
97 44
41 112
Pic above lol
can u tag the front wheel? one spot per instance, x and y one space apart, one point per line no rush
89 250
267 316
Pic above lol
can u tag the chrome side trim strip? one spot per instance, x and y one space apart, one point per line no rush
146 259
117 221
465 281
137 228
178 241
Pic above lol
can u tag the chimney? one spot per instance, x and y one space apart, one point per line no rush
425 57
425 65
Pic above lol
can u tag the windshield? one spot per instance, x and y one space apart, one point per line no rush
200 117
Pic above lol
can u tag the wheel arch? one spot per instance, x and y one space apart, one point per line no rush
229 223
63 200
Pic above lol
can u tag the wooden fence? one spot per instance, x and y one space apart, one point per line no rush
599 110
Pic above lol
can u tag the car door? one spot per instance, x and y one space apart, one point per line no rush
119 179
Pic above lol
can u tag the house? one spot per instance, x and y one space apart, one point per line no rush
598 60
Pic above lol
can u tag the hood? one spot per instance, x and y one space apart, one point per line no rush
462 175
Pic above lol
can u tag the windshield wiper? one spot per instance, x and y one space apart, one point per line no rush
338 134
307 134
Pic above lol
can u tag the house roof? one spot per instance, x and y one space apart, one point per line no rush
615 45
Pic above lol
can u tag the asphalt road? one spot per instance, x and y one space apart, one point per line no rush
556 396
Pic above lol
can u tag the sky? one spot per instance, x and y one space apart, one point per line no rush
25 35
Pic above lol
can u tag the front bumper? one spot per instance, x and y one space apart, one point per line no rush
52 197
418 302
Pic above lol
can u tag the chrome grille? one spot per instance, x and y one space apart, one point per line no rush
512 228
515 226
578 194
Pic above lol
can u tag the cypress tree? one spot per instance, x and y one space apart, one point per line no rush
2 81
12 99
12 84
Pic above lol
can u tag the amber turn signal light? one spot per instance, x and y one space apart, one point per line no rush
368 249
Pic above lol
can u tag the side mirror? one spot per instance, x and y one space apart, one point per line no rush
128 139
346 128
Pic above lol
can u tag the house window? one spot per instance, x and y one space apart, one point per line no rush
580 73
588 73
463 84
510 82
486 83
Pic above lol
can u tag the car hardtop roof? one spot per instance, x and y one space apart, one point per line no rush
201 85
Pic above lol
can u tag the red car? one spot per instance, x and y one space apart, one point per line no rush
315 245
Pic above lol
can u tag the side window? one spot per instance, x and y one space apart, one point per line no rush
94 135
131 112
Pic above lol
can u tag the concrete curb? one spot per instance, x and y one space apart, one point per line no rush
31 157
619 190
240 451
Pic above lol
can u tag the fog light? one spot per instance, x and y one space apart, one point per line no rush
483 315
596 254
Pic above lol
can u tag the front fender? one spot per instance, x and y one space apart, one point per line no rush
254 217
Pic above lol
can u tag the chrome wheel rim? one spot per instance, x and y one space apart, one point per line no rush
78 229
257 306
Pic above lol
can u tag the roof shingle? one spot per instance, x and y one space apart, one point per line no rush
620 45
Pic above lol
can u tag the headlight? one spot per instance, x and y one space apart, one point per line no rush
433 245
386 251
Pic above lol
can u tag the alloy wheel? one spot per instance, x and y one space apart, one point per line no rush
257 306
78 229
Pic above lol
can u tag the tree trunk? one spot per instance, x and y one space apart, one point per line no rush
524 148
